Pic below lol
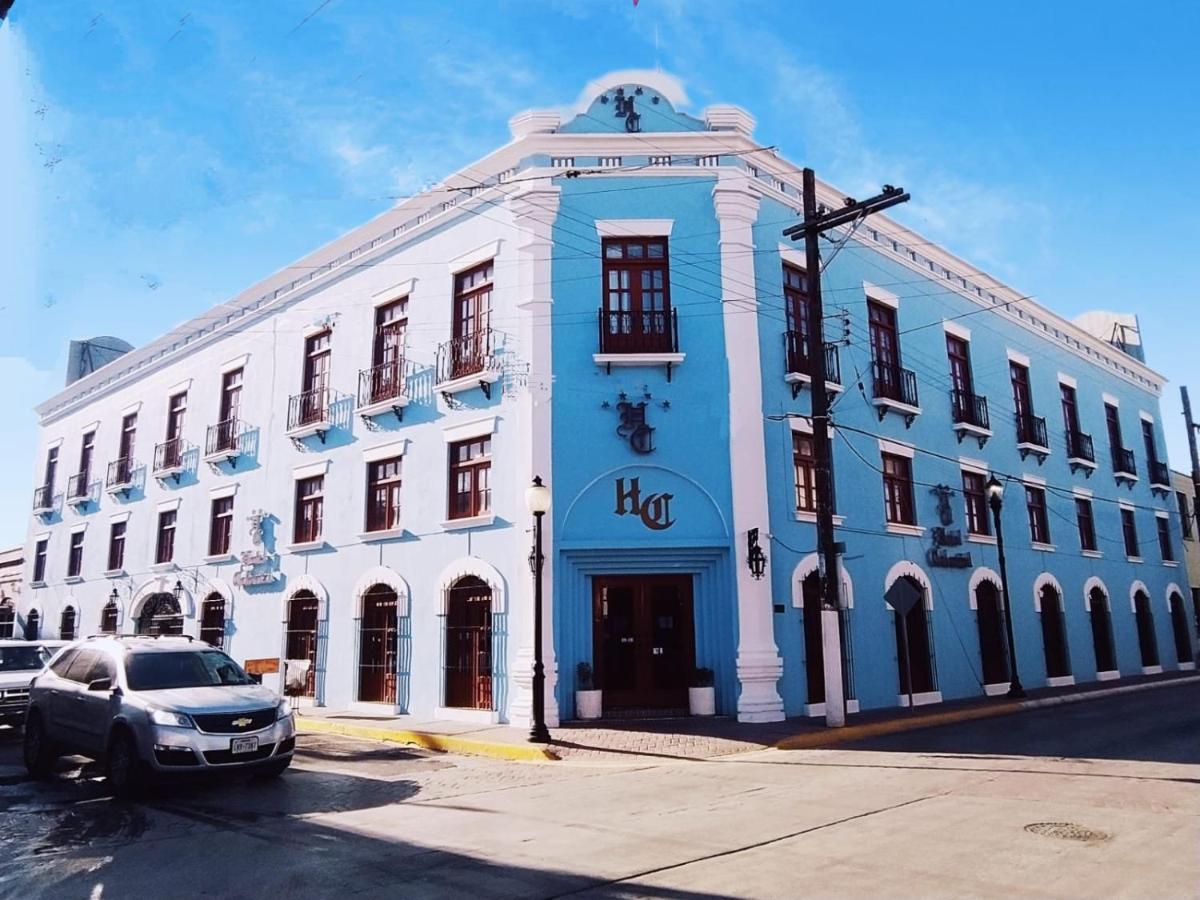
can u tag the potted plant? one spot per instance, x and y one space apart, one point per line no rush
702 696
588 704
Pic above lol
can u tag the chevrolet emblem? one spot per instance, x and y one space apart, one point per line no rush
242 722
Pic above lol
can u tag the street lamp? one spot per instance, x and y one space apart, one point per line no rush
537 501
995 494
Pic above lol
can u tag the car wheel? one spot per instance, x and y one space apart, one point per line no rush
124 769
40 753
274 769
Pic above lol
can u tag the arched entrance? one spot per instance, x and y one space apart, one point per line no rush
814 645
1054 632
160 615
989 619
108 618
469 644
66 624
8 619
1179 625
212 620
377 645
1102 636
33 625
1147 640
301 642
920 645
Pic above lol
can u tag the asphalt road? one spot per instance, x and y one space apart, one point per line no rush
1090 800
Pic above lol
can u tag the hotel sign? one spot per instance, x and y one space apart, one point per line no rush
257 566
654 510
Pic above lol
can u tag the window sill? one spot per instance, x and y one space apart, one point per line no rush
37 584
114 573
1060 681
1108 675
903 409
922 699
1151 670
73 579
1081 462
802 379
981 539
472 522
219 558
390 534
468 382
1043 548
305 546
976 431
811 517
309 429
1170 563
1134 559
901 528
638 359
380 407
163 567
996 689
1126 477
1035 449
1091 554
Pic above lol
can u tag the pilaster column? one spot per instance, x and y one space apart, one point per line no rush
759 666
534 208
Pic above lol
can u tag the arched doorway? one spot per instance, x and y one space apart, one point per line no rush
160 615
108 618
301 643
989 619
212 620
377 646
1179 625
1102 636
33 625
1054 632
814 645
919 661
66 624
469 644
8 619
1147 640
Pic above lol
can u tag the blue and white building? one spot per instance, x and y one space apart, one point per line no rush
325 473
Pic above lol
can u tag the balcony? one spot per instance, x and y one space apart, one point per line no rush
383 388
168 459
895 390
119 478
222 442
799 363
1081 455
1031 436
79 491
309 413
466 362
43 500
649 338
969 415
1160 477
1124 467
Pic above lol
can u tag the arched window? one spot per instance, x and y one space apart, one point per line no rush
377 646
1102 636
1054 633
108 618
8 618
989 615
33 625
915 660
469 644
1147 641
160 615
66 624
212 620
301 644
1179 625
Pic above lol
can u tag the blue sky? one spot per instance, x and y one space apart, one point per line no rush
158 158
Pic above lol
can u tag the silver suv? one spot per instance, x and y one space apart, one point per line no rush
154 704
20 661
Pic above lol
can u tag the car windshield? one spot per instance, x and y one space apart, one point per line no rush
188 668
20 659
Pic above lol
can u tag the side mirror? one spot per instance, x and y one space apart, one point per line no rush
100 684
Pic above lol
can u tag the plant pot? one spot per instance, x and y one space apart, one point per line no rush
702 701
588 704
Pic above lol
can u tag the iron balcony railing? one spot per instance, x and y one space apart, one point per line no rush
308 408
120 473
168 455
800 362
469 354
77 486
43 497
895 383
969 408
1159 474
1122 460
381 383
1031 429
222 437
1079 446
649 331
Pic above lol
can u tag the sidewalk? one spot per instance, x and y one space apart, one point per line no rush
696 738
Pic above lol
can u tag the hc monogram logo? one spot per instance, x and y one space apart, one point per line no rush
654 510
623 109
633 426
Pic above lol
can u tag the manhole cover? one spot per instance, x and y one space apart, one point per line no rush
1068 831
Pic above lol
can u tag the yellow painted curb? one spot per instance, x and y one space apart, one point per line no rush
446 743
834 736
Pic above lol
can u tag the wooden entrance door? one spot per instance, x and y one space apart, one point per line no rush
643 639
469 644
920 643
814 643
301 637
988 613
377 646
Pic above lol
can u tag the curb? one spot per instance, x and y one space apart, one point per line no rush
832 737
446 743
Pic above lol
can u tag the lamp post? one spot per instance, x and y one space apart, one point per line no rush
995 493
537 501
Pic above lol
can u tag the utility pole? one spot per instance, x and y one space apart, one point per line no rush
816 222
1191 431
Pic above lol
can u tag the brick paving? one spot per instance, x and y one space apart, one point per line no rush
665 739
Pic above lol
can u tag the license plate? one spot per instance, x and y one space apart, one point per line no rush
243 745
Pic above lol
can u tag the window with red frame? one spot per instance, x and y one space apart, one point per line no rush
310 502
220 526
637 296
805 472
164 548
383 495
470 474
974 493
898 489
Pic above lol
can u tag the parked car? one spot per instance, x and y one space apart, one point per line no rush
143 705
20 662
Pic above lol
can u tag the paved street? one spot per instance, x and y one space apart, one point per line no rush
1111 787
